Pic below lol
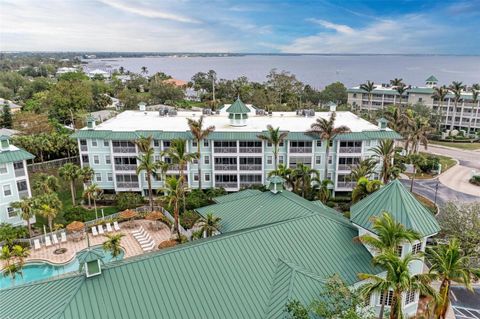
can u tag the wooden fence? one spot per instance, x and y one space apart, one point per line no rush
43 166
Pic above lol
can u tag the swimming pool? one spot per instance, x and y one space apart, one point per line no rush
35 271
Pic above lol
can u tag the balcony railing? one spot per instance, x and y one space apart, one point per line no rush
23 194
19 172
345 167
346 184
226 167
124 149
250 149
225 149
248 184
128 185
176 167
300 149
83 148
294 165
250 167
125 167
226 184
350 150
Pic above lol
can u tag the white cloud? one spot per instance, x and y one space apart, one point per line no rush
405 34
147 12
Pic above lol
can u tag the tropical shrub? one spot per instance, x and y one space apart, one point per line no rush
77 213
126 200
9 233
475 180
188 219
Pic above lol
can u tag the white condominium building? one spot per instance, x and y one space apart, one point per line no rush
466 116
14 183
232 157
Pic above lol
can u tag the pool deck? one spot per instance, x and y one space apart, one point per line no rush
129 244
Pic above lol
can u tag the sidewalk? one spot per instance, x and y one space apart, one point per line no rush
457 178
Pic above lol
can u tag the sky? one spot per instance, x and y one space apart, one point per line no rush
261 26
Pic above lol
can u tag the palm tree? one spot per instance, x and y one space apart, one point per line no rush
26 212
324 192
440 93
396 82
365 168
397 120
14 259
121 70
209 225
86 174
475 92
70 172
456 88
368 87
144 70
144 143
274 137
416 160
401 89
326 131
364 188
113 244
398 279
199 134
180 157
44 184
449 263
385 151
302 175
286 173
48 205
174 192
147 163
418 134
91 193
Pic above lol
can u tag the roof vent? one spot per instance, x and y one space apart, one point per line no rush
259 112
163 111
270 113
207 111
172 112
142 106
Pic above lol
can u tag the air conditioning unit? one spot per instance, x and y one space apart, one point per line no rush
207 111
259 112
172 112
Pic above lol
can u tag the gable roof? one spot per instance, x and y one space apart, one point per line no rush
14 156
237 195
431 78
218 277
238 107
254 209
395 199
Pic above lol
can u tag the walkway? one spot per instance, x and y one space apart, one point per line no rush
129 244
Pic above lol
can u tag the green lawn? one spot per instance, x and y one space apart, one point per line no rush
445 161
428 204
462 146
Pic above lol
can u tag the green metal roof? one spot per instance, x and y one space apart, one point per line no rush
15 156
86 256
236 195
256 208
421 90
238 107
4 138
395 199
431 79
368 135
226 276
276 179
299 136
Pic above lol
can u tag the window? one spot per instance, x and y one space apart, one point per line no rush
420 99
18 165
11 212
108 160
110 177
205 143
388 299
194 143
319 143
281 159
166 144
195 177
96 160
207 177
156 143
156 158
417 248
22 186
409 297
269 160
206 159
281 144
106 143
269 144
98 177
195 161
399 251
3 169
7 190
367 143
329 176
330 159
318 160
94 143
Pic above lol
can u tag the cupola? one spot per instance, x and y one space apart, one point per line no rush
4 143
142 106
238 113
91 261
276 184
382 123
332 106
90 122
431 81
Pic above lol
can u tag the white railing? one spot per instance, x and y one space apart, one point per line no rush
346 184
83 148
250 167
128 185
125 167
300 149
226 167
124 149
226 184
345 167
19 172
23 194
225 149
350 150
250 149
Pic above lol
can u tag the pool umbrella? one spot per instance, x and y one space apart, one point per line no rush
75 226
154 216
128 214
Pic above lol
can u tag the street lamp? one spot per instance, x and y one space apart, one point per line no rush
436 191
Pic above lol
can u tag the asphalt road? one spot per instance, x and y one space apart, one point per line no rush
466 158
465 304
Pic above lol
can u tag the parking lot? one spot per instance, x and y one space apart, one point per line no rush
465 304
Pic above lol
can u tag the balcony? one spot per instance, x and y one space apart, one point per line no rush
250 150
23 194
226 184
128 185
345 167
226 167
124 149
346 184
300 149
19 172
250 167
350 150
225 149
83 148
249 184
176 167
125 167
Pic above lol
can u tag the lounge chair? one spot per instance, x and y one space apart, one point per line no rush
48 243
142 236
116 226
145 241
55 239
36 244
94 231
138 231
109 228
63 237
149 246
100 230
